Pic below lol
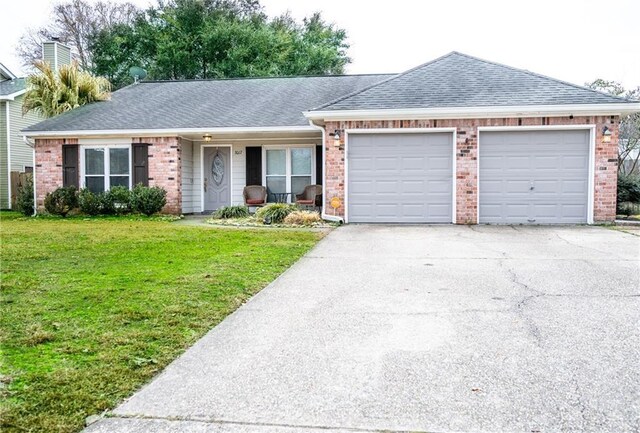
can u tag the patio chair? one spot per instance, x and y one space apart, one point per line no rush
310 196
254 196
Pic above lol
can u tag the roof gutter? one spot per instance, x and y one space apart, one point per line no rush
478 112
164 132
12 96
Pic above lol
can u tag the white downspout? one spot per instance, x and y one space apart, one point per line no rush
8 155
324 215
33 175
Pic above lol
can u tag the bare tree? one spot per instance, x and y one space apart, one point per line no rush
629 132
73 22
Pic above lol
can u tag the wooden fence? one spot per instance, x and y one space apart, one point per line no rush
17 180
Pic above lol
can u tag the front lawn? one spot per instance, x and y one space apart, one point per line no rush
92 309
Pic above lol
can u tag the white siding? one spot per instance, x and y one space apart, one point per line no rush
4 179
238 159
238 166
21 154
188 185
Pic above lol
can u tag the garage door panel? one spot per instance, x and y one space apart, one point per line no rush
410 180
389 163
492 162
554 162
413 187
547 187
386 187
517 186
575 162
493 187
361 210
415 210
440 211
573 210
439 162
361 187
409 163
575 187
438 186
361 163
546 163
515 163
517 210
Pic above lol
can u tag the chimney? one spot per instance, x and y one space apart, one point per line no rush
56 53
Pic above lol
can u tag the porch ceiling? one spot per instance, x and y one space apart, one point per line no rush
257 136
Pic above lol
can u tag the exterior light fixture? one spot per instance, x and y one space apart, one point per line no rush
606 135
206 137
336 138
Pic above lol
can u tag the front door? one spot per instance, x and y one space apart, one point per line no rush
217 177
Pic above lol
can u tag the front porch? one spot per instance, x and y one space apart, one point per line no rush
215 168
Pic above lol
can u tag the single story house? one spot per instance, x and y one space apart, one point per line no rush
455 140
15 155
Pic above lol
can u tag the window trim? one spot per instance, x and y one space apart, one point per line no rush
107 164
288 175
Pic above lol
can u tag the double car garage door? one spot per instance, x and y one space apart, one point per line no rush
537 177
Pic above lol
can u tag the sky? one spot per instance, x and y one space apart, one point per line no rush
573 40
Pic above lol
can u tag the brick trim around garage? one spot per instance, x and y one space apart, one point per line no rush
605 161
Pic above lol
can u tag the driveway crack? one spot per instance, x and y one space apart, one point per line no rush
583 247
580 402
520 306
294 427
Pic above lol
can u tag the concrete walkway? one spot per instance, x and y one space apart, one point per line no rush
427 328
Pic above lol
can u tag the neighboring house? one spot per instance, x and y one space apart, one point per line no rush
15 155
631 164
455 140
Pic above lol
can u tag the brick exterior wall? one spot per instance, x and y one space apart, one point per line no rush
605 181
165 168
48 169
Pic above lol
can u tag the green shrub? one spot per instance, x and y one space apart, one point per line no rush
61 201
227 212
148 200
628 208
303 218
275 212
116 201
628 188
24 197
89 203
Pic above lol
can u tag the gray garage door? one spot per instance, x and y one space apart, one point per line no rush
537 177
400 178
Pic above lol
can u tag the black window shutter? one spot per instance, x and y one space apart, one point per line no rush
318 165
140 164
70 165
254 165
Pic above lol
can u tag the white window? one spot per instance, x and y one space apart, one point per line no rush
288 170
104 167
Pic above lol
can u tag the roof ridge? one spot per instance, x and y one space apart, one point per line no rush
452 53
326 104
536 74
260 78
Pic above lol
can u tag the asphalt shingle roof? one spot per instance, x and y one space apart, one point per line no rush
459 80
8 87
255 102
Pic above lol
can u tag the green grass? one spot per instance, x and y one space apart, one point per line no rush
91 309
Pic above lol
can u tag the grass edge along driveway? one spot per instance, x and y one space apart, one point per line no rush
91 309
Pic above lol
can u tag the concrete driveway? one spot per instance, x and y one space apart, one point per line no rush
423 328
